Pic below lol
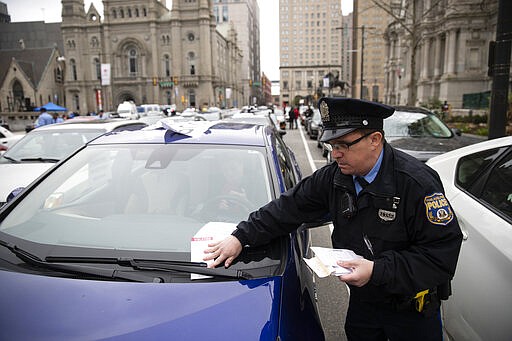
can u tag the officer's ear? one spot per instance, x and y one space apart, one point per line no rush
376 137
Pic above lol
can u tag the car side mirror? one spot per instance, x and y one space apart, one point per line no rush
457 131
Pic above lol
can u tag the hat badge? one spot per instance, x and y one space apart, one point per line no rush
324 111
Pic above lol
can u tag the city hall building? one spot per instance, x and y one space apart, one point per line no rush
143 52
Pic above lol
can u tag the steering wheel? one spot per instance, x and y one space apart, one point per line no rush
228 207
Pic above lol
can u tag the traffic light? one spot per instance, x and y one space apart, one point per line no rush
250 82
264 81
155 80
175 80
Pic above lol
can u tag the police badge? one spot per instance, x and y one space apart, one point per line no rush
438 209
324 111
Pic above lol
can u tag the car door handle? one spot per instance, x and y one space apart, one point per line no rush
464 234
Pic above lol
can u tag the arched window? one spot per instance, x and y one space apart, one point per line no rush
97 67
167 66
129 12
114 13
74 73
144 12
191 61
137 12
132 62
76 102
121 13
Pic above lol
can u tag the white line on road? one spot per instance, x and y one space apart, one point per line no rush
308 152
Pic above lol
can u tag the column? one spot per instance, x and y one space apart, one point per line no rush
437 57
450 49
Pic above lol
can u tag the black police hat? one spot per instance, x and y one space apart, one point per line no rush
341 116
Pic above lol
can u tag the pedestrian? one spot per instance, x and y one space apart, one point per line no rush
387 207
291 117
445 109
57 118
44 118
295 117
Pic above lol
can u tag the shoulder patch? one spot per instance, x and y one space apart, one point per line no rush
438 210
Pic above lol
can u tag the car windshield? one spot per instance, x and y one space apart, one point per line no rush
53 144
415 124
145 197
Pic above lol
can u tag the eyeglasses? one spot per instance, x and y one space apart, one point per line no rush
344 146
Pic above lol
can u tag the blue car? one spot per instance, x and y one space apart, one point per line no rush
108 244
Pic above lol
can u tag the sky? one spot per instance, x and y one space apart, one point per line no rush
50 11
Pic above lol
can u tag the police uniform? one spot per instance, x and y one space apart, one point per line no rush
401 221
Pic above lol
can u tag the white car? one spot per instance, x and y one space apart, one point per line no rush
42 147
478 183
7 139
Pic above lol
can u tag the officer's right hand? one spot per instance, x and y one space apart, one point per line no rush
224 251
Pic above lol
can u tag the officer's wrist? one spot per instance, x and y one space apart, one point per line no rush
240 235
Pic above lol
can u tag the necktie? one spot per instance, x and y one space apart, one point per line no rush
362 181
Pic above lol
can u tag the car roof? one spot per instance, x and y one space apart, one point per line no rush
413 109
89 123
198 132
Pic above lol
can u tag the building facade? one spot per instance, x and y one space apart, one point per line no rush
369 24
243 16
310 49
30 77
143 52
450 59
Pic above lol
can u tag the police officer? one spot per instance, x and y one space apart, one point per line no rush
387 207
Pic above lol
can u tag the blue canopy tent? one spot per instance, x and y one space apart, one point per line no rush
50 106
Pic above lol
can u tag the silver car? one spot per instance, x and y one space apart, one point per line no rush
42 147
478 182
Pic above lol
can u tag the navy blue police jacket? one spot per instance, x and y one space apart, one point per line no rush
414 234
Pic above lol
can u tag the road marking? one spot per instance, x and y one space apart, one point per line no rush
308 152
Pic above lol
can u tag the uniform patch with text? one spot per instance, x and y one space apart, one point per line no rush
438 209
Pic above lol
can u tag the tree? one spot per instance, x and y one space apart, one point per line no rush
409 16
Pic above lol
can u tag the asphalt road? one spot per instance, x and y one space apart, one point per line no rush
332 294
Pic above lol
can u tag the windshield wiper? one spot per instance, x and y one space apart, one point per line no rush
199 268
32 259
11 159
40 159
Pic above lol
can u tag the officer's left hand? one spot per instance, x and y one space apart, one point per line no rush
361 271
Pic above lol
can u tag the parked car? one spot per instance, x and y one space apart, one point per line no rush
478 183
313 123
420 133
43 147
109 243
7 138
264 119
128 109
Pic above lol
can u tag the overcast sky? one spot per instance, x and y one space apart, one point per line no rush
50 11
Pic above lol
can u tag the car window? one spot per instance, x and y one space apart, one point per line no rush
497 191
285 164
415 124
471 167
147 197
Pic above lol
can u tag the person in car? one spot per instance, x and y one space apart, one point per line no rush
387 207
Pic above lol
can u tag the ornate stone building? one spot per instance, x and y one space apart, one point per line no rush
144 52
438 50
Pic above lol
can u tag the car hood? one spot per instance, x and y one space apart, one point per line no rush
48 308
16 175
424 148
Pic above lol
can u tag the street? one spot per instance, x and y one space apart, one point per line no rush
332 294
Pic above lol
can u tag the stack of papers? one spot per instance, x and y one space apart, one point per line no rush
325 261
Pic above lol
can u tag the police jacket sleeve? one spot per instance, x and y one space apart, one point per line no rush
434 235
305 202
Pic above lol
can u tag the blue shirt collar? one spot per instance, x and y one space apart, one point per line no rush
372 174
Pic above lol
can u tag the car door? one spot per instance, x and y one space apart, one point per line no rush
481 304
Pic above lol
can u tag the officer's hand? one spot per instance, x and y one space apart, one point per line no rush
224 251
361 271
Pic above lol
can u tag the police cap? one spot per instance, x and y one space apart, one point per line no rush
341 116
